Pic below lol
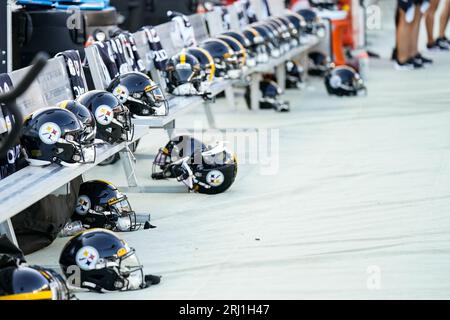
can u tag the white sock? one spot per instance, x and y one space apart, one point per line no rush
424 7
410 13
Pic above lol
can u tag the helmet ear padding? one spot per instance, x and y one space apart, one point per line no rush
335 81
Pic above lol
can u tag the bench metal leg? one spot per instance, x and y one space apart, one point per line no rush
255 93
170 128
229 94
209 115
129 166
7 229
281 76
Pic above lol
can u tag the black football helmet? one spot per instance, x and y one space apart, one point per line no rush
294 75
55 135
86 118
101 205
207 66
324 4
224 57
239 52
288 32
246 44
318 64
299 23
112 117
271 42
344 81
314 25
281 32
183 74
140 94
204 169
270 92
32 283
104 261
258 46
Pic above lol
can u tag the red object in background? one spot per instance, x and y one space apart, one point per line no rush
338 32
348 40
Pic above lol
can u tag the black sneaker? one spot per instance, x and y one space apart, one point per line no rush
394 54
444 39
416 63
424 60
439 45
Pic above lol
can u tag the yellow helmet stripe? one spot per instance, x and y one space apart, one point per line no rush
211 63
63 104
183 58
241 47
42 295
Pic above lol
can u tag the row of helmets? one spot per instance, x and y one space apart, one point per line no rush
230 54
70 133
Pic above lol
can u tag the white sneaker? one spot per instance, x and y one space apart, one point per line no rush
403 66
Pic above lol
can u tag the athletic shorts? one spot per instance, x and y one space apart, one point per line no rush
406 4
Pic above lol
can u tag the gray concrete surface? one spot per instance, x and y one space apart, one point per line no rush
359 207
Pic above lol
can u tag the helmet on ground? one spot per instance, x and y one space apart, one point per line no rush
104 261
319 64
112 117
32 283
140 94
55 135
101 205
344 81
204 169
294 75
270 92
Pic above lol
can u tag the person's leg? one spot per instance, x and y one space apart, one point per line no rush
444 19
403 36
414 48
429 20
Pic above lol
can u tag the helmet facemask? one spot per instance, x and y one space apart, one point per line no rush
157 101
125 273
120 215
70 149
185 79
122 118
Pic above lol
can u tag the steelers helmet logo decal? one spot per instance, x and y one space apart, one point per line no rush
49 133
121 93
83 205
87 258
104 115
215 178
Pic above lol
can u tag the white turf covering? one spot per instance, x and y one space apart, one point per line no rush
363 186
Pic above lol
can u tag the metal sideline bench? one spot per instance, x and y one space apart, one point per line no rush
29 185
